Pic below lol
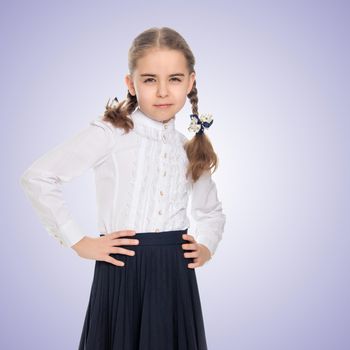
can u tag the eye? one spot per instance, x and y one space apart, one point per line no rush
152 79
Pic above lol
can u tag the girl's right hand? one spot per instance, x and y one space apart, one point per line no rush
99 248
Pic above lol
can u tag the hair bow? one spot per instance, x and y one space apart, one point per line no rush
199 123
113 103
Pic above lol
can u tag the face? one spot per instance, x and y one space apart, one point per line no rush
161 82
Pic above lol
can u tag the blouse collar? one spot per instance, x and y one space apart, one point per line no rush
153 129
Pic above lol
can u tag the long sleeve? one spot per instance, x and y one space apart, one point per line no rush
206 210
42 181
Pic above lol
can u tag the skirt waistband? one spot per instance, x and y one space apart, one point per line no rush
158 238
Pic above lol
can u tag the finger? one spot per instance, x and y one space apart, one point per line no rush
114 261
120 250
122 233
188 237
191 254
193 265
125 241
190 246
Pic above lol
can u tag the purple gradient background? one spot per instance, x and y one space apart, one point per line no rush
275 75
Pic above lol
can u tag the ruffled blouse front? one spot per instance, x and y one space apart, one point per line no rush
140 181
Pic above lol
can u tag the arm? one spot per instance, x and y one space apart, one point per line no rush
207 211
42 181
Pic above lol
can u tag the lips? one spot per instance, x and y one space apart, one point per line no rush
163 105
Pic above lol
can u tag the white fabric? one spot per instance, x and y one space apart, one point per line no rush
140 182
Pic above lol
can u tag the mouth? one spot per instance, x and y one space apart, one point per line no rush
163 105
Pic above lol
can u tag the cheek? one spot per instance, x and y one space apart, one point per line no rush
180 96
145 94
179 92
182 91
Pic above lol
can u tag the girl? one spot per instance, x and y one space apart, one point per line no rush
144 292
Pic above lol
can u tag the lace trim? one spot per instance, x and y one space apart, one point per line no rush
131 187
179 192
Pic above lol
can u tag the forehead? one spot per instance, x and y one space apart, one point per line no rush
161 61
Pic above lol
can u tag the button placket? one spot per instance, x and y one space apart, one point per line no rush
164 134
160 199
160 203
164 138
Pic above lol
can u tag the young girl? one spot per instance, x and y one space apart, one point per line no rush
144 293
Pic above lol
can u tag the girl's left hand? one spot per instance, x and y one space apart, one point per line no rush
199 252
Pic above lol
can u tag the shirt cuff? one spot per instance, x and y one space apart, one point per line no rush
210 244
70 233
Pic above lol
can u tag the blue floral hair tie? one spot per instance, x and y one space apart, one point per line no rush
199 123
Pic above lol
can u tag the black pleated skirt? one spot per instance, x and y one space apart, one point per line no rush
150 303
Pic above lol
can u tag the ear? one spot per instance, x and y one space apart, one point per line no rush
130 84
191 81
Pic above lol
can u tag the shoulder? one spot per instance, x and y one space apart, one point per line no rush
106 126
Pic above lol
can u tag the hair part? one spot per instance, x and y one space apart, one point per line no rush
199 150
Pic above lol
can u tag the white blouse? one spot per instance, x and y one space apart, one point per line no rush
140 182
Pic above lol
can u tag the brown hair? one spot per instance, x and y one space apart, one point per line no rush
199 149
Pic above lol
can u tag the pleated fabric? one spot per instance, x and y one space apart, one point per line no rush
150 303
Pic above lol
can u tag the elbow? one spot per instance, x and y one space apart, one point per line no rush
223 216
223 221
24 179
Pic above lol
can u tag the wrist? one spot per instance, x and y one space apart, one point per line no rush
208 253
76 245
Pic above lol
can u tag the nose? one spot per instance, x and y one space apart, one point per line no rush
162 90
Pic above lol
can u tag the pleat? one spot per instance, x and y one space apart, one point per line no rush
151 303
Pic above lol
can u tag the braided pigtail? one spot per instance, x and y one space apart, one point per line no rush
118 112
199 149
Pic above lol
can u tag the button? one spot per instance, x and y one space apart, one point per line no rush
164 138
164 173
165 126
160 212
161 193
164 155
157 230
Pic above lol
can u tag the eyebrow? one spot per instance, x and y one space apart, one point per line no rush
154 75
